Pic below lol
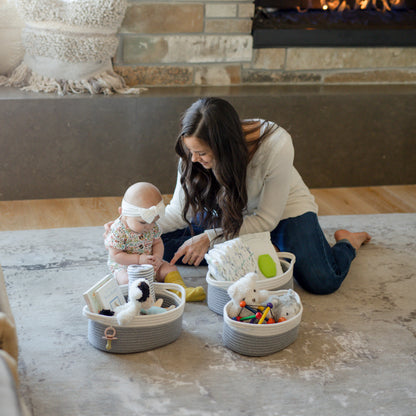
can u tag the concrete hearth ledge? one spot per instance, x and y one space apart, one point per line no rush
9 93
343 136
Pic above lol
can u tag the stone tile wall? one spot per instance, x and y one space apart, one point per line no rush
191 43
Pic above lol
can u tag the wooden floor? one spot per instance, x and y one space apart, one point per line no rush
85 212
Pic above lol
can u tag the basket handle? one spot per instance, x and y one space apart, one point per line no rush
285 255
172 286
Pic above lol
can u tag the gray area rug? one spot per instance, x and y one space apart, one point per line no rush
355 353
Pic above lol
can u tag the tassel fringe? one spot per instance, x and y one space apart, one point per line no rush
107 83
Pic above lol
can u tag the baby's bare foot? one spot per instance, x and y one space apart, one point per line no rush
356 239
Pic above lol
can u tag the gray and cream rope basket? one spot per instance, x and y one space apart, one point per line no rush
144 332
217 295
260 340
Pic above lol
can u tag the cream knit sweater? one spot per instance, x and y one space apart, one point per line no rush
275 190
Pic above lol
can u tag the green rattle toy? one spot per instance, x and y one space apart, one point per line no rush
267 265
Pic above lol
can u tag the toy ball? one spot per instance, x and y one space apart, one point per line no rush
281 319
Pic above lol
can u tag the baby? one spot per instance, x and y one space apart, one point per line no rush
134 238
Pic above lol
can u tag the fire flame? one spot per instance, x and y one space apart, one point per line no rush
341 5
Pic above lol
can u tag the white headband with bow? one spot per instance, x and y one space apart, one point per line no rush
147 214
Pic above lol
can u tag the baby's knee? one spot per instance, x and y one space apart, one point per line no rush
121 276
164 270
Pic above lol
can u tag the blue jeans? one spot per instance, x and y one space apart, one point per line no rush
173 240
319 268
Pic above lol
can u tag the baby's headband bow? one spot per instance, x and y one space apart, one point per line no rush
147 214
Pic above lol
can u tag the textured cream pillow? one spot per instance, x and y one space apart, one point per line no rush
69 45
11 47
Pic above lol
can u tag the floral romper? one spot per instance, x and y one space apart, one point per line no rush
122 238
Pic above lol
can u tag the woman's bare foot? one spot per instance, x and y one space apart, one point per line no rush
356 239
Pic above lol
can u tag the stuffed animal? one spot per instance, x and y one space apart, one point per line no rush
284 305
156 308
139 303
289 305
244 289
138 298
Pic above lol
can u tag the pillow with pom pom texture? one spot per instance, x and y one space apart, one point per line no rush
69 45
11 47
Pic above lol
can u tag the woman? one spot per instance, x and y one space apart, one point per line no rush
237 177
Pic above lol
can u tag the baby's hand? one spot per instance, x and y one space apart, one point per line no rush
145 259
156 262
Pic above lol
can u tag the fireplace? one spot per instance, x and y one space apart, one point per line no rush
320 23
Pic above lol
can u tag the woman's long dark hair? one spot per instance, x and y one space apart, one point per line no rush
217 196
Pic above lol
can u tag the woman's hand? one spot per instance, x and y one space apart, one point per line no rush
192 250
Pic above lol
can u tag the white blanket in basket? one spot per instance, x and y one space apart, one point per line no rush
233 259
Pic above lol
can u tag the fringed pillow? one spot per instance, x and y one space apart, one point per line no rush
69 45
11 48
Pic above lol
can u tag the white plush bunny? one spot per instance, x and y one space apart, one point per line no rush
244 289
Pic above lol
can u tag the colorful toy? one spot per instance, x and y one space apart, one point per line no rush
260 306
243 304
266 311
248 318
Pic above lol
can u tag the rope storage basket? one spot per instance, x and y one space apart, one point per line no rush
217 295
143 332
260 340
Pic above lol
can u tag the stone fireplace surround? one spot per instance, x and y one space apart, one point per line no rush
209 43
346 132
